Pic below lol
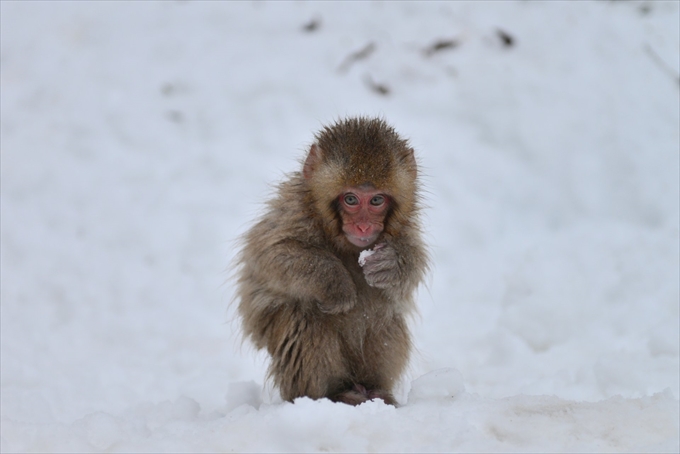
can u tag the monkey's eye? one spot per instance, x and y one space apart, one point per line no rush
351 200
377 200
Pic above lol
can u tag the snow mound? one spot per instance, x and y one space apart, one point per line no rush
438 384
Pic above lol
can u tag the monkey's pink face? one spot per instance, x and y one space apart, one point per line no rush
363 213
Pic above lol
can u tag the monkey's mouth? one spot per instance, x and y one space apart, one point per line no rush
361 241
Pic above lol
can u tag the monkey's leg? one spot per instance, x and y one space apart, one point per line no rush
306 354
386 353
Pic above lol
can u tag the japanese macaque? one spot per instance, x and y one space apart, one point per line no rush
336 328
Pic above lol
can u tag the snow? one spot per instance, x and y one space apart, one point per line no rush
364 254
438 384
140 139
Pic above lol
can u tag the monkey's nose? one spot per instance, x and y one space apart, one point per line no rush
363 227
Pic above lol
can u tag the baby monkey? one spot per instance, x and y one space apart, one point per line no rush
336 328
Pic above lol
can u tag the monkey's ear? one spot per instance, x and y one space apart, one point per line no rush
312 162
411 162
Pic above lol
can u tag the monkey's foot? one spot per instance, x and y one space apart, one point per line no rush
359 394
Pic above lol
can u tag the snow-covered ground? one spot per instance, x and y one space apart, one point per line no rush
139 140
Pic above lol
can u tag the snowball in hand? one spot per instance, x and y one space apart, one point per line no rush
438 384
363 255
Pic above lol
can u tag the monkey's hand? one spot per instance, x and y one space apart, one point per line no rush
338 296
381 269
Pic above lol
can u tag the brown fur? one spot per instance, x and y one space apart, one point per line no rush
302 294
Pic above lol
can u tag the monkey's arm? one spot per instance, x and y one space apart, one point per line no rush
308 274
397 266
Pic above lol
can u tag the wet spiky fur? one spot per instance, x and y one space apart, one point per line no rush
302 295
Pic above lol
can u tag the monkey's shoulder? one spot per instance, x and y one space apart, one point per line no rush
287 220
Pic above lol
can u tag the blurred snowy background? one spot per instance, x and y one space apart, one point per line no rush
139 140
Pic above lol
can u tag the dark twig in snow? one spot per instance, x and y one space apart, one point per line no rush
361 54
440 45
379 88
665 67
